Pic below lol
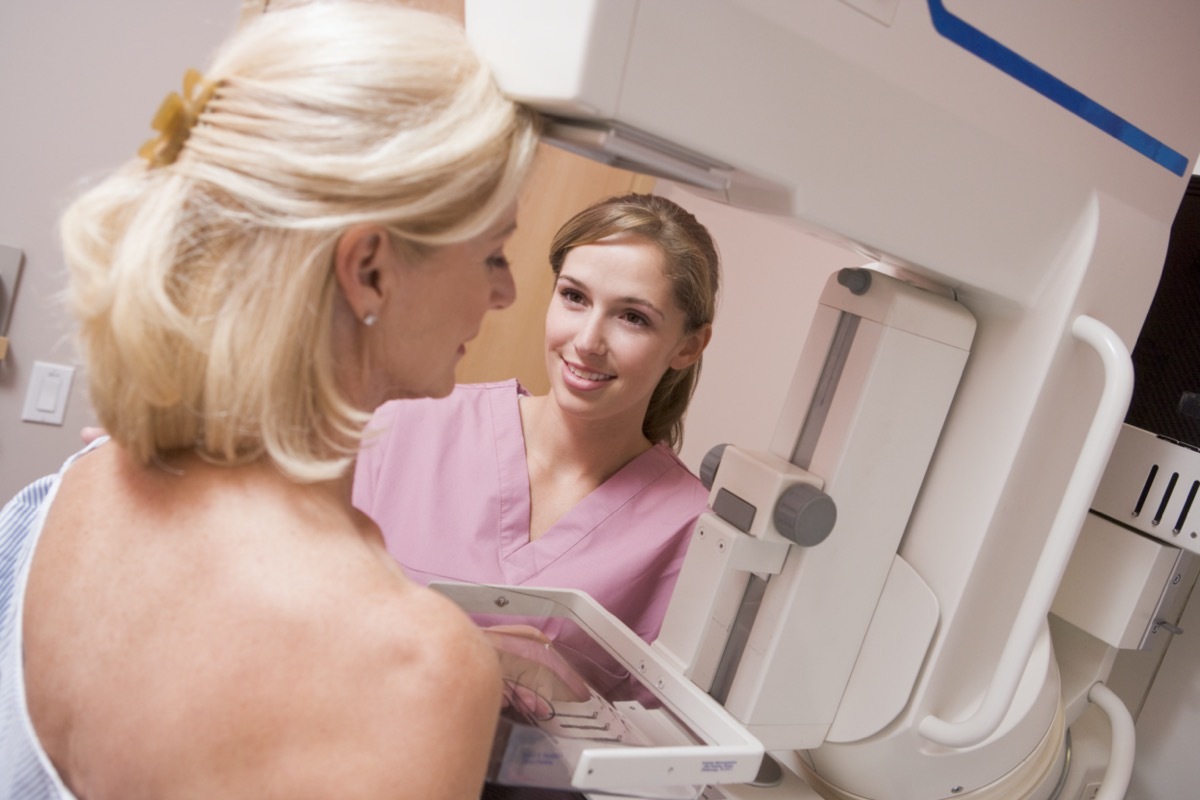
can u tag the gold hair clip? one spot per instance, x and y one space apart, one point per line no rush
175 118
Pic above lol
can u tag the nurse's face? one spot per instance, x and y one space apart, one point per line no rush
438 307
613 329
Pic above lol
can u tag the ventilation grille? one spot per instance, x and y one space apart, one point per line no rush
1152 484
1155 498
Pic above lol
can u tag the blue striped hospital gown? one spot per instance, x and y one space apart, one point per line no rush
25 771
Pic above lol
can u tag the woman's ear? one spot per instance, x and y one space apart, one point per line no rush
693 347
358 266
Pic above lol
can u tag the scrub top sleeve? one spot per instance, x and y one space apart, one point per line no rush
372 451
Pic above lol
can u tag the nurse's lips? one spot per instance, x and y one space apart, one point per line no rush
587 375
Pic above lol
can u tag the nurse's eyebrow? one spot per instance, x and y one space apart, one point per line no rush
628 300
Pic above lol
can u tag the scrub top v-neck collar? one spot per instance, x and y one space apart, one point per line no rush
521 558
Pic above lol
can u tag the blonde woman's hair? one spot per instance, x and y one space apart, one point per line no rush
204 289
693 267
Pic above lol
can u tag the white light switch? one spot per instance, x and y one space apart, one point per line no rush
47 400
49 388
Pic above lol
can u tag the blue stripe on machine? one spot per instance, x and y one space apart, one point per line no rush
985 47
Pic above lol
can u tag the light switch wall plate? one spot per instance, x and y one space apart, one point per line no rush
49 388
10 276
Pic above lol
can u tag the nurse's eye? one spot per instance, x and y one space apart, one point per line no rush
634 318
571 296
498 262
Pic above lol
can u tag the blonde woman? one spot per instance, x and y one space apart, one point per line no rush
192 608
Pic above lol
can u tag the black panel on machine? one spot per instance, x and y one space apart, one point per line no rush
1166 358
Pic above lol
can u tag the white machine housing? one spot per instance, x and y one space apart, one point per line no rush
1028 158
869 397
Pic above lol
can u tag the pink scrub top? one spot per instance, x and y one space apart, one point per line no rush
446 481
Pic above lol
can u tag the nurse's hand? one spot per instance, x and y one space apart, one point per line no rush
535 673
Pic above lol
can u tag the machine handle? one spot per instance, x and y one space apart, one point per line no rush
1120 760
1072 510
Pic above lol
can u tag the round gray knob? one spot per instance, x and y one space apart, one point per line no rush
804 514
708 467
856 279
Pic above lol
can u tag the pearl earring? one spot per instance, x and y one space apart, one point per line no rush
370 319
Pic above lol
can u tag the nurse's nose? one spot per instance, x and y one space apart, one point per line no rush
504 288
590 338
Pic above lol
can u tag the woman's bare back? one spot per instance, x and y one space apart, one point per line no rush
199 631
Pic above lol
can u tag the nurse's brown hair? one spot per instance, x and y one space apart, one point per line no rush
693 267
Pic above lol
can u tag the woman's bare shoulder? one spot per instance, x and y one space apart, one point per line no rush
267 649
419 708
395 690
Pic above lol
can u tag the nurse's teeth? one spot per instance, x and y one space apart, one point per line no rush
591 376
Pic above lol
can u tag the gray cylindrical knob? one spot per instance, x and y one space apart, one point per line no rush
708 467
804 514
856 279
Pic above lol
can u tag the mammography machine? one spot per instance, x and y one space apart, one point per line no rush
870 594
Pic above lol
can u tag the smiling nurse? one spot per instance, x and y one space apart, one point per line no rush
580 487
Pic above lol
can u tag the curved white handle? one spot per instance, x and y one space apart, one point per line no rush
1120 760
1072 510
